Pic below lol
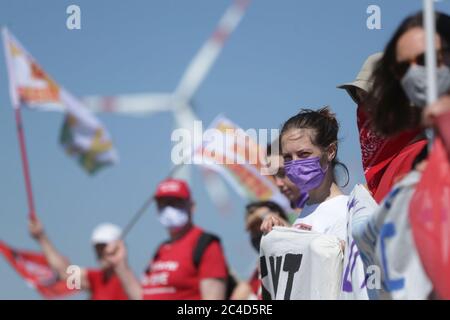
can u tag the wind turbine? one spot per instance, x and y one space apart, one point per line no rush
179 102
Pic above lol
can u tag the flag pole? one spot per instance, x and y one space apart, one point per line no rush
429 19
15 101
25 165
145 206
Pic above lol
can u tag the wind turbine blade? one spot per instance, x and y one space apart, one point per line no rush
184 116
184 173
133 104
216 188
205 58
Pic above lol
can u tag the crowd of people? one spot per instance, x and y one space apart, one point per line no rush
392 117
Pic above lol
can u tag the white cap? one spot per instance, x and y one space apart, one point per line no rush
106 233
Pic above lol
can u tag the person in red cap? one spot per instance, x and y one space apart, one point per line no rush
189 266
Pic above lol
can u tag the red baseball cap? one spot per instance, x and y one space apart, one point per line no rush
173 188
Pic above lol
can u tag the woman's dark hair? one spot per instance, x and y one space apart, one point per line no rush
389 106
326 128
272 206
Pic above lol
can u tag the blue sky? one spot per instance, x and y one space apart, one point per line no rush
285 55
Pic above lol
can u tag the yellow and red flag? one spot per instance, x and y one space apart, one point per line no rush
238 157
82 134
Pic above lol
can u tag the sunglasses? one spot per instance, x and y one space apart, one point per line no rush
401 68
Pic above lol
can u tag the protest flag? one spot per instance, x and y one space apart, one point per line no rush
34 269
239 159
430 212
82 134
11 50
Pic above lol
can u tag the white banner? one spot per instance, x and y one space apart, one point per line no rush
385 241
300 265
360 205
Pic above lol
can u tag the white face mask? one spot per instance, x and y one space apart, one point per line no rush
415 84
173 218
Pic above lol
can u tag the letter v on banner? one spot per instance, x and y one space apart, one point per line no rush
19 124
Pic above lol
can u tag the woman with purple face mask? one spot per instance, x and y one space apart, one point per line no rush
309 146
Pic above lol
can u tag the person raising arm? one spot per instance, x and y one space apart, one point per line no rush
102 283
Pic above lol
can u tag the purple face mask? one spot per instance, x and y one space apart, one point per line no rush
307 174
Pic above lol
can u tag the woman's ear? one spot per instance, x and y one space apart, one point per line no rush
331 152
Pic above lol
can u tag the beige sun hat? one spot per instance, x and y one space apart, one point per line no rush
363 79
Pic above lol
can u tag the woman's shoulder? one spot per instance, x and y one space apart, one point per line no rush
336 207
337 201
328 207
